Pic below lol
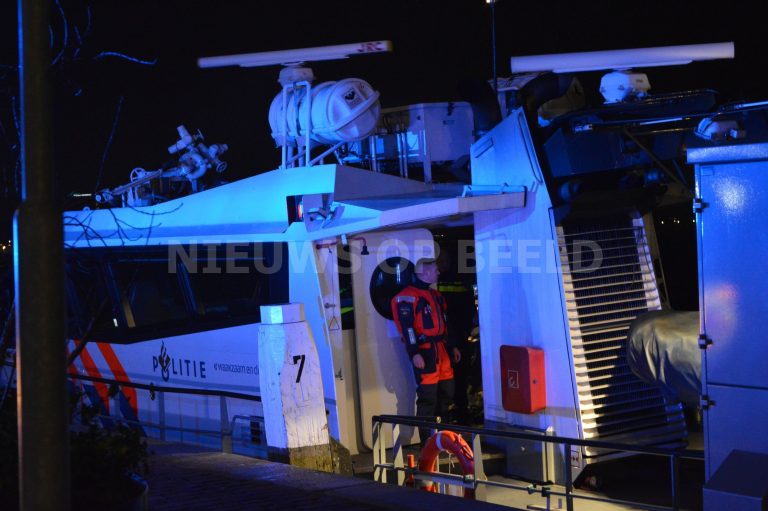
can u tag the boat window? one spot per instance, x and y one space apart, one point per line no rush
89 305
130 294
149 293
391 277
238 280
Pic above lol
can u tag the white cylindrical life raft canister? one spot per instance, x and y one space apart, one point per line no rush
343 111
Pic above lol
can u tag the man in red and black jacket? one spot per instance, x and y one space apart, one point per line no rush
419 313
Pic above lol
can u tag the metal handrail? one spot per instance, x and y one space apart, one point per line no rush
478 478
177 390
225 433
205 432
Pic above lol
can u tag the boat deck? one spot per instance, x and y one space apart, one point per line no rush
188 478
643 481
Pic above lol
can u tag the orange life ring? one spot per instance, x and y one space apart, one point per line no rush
454 444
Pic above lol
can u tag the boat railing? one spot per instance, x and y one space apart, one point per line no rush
478 480
227 424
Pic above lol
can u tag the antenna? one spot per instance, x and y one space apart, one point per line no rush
297 56
492 5
622 59
621 83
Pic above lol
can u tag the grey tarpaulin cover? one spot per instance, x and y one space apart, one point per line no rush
663 350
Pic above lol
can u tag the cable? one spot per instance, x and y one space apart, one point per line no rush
16 121
87 219
85 228
92 234
65 24
149 232
153 213
88 20
121 232
105 54
109 142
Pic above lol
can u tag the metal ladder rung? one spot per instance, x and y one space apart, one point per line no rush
586 386
622 402
591 341
627 247
606 240
618 229
585 346
635 255
594 360
633 273
616 311
611 284
621 411
615 347
593 397
604 377
581 335
602 295
585 326
603 304
621 370
602 268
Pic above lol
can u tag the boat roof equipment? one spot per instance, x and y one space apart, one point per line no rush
193 160
300 116
621 84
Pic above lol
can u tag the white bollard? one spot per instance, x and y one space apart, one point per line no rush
292 389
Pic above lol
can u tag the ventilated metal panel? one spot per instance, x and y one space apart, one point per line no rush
608 281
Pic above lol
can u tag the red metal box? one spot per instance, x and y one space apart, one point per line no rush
523 386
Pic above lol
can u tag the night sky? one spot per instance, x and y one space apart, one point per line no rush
114 113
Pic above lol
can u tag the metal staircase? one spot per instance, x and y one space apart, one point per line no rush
606 288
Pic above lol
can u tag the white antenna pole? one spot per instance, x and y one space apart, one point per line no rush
493 45
308 124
